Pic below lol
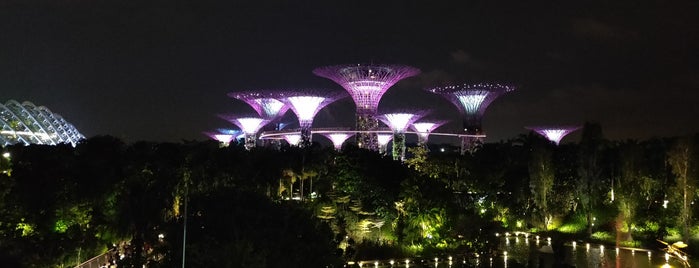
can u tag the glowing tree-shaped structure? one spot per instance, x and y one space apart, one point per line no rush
292 138
472 100
250 125
382 139
336 136
424 128
306 104
267 103
366 83
399 123
223 139
554 133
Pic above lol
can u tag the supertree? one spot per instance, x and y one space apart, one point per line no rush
306 103
472 100
399 122
223 139
250 125
337 136
366 83
382 139
267 103
424 128
292 138
554 133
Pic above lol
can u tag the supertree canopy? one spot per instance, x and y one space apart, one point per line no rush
554 133
224 139
366 83
399 122
306 104
28 124
424 128
383 139
292 138
337 136
250 125
267 103
472 100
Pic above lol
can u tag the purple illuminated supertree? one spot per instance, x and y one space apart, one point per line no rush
424 128
292 138
399 122
267 103
223 139
250 125
366 83
554 133
337 136
306 103
472 100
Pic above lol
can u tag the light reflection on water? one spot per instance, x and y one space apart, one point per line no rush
523 253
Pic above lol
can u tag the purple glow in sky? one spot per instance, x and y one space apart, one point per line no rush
366 83
554 134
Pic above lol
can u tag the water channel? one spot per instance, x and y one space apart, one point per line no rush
520 251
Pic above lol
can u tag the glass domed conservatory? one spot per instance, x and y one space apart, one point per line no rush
28 124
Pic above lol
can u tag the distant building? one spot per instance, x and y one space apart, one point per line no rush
27 124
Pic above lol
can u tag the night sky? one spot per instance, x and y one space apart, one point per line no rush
160 70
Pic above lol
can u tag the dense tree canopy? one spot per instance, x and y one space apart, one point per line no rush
315 206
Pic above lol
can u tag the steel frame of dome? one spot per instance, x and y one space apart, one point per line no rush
28 124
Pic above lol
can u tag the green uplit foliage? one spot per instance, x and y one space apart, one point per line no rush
571 228
60 226
680 158
104 191
541 175
603 236
77 215
27 229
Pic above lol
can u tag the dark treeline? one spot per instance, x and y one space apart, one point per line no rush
315 206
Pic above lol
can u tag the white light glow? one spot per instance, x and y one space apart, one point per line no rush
270 107
41 135
293 139
384 139
554 135
306 107
225 138
398 121
250 125
338 139
424 128
472 102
